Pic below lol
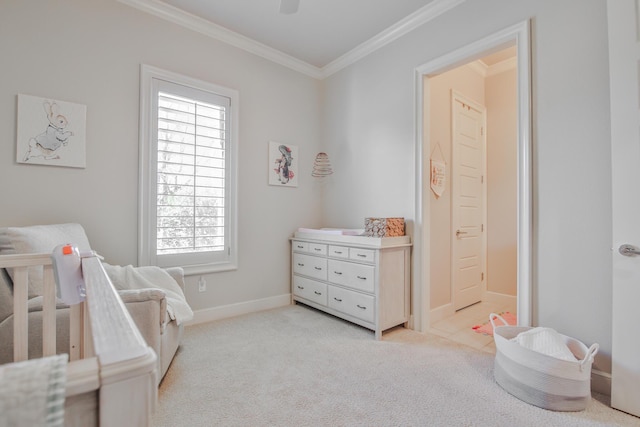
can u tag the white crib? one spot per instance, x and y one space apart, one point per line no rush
111 375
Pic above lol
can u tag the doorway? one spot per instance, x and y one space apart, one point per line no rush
473 240
426 258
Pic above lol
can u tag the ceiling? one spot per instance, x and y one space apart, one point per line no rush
320 31
499 57
322 37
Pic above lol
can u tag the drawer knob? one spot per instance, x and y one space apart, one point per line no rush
337 299
318 268
300 287
300 247
317 293
337 252
361 278
362 255
339 273
301 264
361 307
317 249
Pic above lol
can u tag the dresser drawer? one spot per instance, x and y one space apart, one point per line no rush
338 251
350 274
310 266
365 255
300 246
317 249
309 289
352 303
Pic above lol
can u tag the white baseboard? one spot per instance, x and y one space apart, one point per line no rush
440 313
231 310
601 382
502 299
447 310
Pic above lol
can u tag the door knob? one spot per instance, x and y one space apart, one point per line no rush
629 250
459 233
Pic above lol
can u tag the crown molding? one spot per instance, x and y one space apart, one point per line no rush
502 66
491 70
479 67
410 23
210 29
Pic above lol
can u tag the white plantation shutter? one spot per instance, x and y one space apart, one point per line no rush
190 197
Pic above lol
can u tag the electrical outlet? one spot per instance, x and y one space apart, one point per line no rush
202 284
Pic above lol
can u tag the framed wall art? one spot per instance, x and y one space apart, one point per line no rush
283 164
438 171
51 132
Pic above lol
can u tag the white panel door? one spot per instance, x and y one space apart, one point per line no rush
467 212
624 54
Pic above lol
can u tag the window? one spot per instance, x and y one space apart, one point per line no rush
188 141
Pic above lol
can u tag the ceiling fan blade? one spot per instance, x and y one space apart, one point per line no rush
288 7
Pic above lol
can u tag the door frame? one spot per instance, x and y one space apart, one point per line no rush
457 96
518 35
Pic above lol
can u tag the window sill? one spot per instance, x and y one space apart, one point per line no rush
194 270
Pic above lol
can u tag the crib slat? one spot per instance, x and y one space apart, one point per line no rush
76 317
87 336
48 313
20 314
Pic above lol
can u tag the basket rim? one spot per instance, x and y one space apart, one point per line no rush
568 339
528 328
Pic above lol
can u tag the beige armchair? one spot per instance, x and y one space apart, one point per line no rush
148 307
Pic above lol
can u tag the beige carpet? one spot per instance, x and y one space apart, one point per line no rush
295 366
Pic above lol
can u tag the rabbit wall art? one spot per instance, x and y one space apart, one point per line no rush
48 142
50 132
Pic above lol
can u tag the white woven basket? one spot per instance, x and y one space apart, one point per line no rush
539 379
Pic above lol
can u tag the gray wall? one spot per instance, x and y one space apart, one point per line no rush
369 130
90 53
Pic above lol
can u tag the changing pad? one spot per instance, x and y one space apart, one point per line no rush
332 231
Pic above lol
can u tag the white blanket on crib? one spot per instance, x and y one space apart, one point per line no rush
130 277
33 392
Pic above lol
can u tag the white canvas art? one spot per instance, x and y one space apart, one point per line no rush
283 164
438 177
51 132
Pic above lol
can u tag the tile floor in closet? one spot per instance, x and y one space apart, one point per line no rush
458 327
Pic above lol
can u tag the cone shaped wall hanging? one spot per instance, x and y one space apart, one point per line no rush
321 166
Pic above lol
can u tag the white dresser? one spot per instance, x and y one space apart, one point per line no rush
365 280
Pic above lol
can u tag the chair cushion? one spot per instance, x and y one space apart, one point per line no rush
40 239
6 295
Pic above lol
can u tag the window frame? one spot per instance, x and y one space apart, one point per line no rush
148 178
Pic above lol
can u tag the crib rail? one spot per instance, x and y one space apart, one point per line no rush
20 265
107 353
